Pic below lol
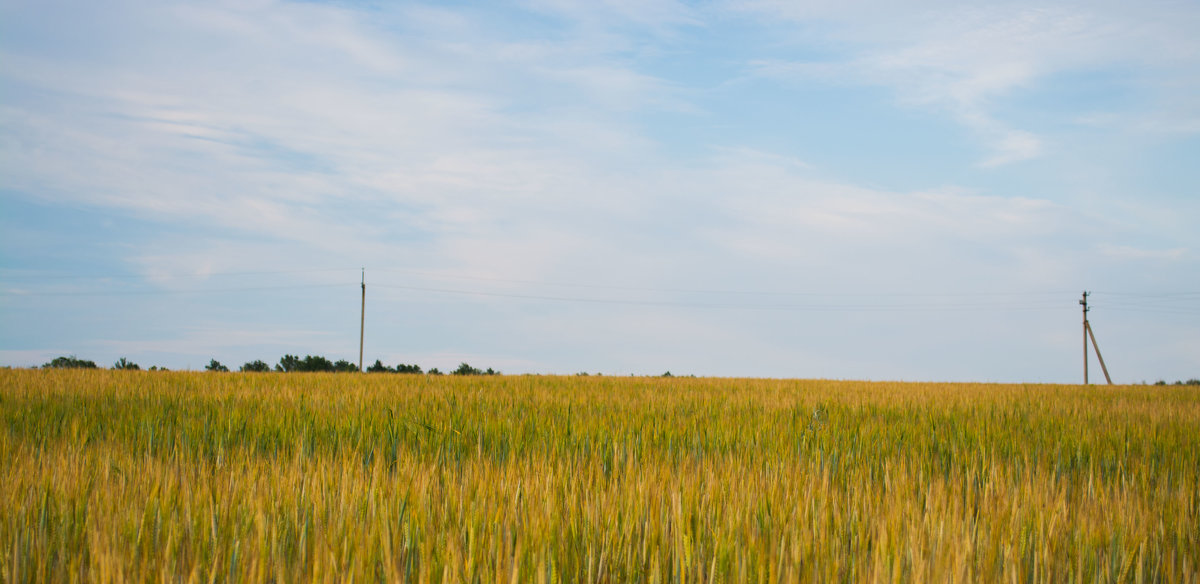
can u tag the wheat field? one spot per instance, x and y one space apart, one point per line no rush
116 476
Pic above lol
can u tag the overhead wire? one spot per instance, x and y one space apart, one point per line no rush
1174 303
106 277
173 291
826 307
1124 301
441 275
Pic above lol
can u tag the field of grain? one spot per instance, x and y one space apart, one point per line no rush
232 477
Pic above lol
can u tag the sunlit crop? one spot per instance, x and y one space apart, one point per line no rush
151 476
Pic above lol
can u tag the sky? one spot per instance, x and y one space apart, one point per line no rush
754 188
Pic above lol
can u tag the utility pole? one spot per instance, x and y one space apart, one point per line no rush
1087 333
362 322
1084 302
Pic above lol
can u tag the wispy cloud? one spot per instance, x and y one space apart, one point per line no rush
967 60
1127 252
316 116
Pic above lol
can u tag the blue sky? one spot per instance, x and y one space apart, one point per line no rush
855 190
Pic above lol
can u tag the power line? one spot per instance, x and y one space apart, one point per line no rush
1181 311
31 293
686 304
1181 295
1144 302
114 276
439 275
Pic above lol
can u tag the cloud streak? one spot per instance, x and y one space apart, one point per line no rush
967 61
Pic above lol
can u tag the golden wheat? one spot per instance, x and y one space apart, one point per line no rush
147 476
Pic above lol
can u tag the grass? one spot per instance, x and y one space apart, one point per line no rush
150 476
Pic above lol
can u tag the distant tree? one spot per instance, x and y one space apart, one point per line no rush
402 368
667 374
379 367
289 363
126 364
317 363
435 371
1178 382
214 365
256 366
344 366
464 369
71 362
314 363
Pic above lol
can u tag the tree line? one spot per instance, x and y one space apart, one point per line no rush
286 364
317 363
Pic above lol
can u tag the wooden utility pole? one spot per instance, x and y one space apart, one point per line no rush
362 321
1087 333
1084 302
